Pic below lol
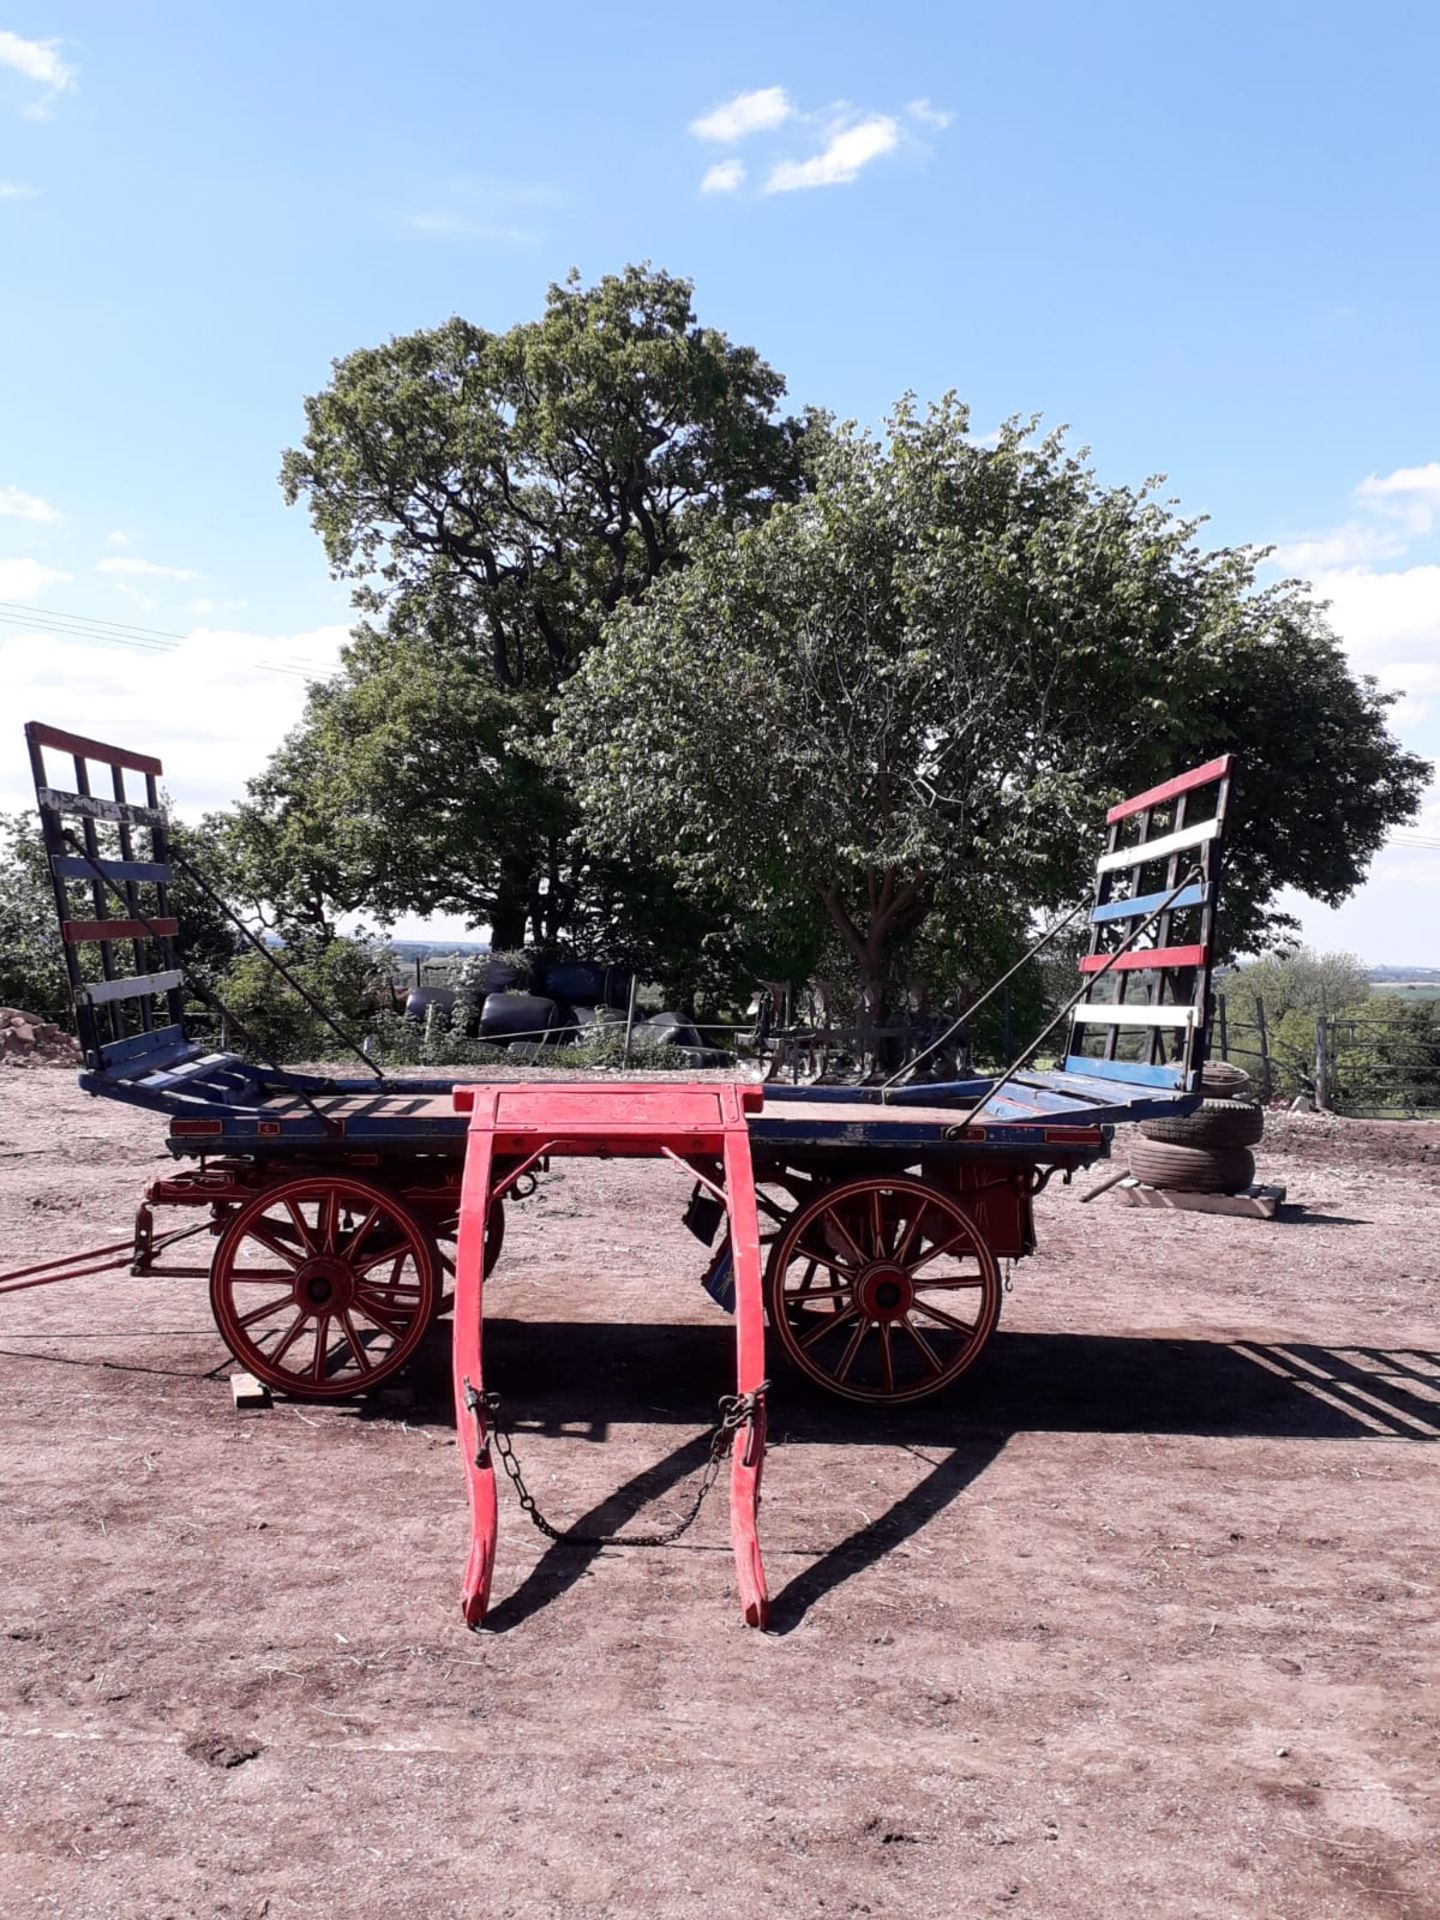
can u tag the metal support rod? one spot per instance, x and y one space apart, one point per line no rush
284 972
1074 1000
989 994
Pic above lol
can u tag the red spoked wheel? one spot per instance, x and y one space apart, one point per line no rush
445 1235
323 1287
882 1289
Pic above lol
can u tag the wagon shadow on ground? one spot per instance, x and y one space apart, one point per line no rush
574 1380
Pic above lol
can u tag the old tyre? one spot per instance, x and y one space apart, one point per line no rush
323 1287
1161 1163
1214 1123
1219 1080
882 1289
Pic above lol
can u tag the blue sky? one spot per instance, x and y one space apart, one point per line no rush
1207 239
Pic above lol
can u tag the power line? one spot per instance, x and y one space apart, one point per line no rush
122 633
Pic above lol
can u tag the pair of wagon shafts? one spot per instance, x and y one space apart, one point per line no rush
334 1202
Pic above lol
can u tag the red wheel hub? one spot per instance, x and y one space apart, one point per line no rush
884 1291
324 1285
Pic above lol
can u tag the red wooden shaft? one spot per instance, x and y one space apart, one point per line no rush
469 1379
748 1458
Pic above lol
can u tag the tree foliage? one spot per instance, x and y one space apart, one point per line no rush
494 496
912 691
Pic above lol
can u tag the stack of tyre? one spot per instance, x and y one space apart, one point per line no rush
1209 1150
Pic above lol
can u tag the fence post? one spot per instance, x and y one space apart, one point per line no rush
1322 1090
1267 1090
1224 1030
630 1018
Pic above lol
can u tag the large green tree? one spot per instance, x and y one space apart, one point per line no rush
493 497
912 691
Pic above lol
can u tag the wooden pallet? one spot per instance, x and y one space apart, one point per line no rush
1255 1203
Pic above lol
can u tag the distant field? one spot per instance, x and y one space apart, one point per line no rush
1409 989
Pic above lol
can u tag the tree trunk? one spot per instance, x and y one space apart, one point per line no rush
511 912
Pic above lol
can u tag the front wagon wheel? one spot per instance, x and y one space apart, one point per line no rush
323 1288
882 1290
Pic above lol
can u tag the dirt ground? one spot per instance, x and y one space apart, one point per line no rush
1142 1619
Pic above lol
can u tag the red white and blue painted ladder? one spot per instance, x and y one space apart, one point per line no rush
1161 865
138 970
514 1127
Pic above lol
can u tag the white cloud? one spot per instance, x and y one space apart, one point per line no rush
12 190
146 569
1385 617
929 115
1402 506
200 606
16 504
842 158
746 113
23 579
459 226
117 539
1409 495
1351 544
214 706
726 176
37 60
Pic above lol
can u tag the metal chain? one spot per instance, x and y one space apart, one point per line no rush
737 1411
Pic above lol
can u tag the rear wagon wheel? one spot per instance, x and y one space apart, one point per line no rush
882 1289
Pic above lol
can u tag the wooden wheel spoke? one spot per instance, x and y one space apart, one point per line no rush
388 1322
951 1283
856 1256
322 1346
297 1327
806 1294
353 1243
877 1222
397 1255
828 1261
268 1234
354 1340
263 1276
260 1313
932 1359
830 1323
887 1357
963 1236
945 1319
906 1240
292 1207
852 1349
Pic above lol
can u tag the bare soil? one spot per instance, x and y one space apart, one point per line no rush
1141 1620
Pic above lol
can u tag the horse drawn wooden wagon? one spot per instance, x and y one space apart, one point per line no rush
866 1226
